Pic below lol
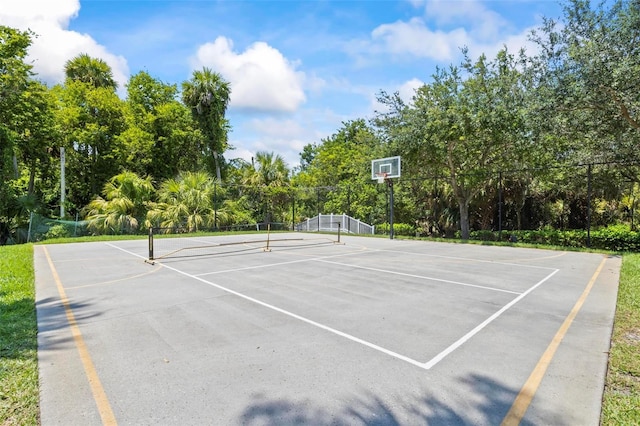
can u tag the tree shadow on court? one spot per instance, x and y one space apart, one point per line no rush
488 403
52 316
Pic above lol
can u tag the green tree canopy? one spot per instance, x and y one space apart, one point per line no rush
124 206
207 95
93 71
589 63
161 138
15 75
466 124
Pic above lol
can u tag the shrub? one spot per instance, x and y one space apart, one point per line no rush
615 238
57 231
398 229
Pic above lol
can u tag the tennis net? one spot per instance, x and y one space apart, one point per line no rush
175 242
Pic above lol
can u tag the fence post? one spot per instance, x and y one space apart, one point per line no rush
589 205
215 206
293 211
500 207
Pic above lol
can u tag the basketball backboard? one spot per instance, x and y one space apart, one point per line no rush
387 167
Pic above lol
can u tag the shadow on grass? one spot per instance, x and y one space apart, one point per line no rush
18 328
479 400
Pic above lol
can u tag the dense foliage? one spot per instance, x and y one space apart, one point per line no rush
542 143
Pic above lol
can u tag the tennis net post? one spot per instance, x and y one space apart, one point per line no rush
151 243
268 237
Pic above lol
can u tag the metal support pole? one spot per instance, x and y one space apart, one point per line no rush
589 205
349 206
63 188
500 207
434 225
215 207
293 212
390 183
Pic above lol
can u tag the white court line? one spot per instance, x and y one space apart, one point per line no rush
246 268
468 259
386 271
127 251
424 365
301 318
436 359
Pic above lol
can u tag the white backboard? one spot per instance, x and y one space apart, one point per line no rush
389 165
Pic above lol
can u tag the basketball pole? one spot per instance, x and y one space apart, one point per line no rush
390 183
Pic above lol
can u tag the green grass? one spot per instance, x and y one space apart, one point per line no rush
621 402
18 342
18 337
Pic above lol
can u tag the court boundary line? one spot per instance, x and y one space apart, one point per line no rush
404 274
486 322
289 262
522 401
423 365
97 390
301 318
470 259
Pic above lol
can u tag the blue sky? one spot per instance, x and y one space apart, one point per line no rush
297 69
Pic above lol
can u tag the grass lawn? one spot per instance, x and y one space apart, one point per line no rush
19 364
18 337
621 403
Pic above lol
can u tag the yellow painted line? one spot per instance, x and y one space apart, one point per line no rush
528 391
99 395
132 277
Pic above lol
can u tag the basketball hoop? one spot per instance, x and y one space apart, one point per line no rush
382 177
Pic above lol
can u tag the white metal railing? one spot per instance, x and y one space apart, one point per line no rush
329 223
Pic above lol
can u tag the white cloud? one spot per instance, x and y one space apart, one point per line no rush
261 77
416 39
482 22
54 44
408 89
459 24
283 136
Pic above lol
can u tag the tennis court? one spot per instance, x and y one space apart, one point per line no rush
306 329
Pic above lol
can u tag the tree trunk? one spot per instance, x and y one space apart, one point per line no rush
32 177
215 160
16 172
463 204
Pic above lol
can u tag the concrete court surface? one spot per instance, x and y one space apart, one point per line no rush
371 331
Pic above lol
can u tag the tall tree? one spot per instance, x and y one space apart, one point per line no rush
466 124
343 161
15 74
93 71
268 178
36 136
207 94
589 63
90 119
161 138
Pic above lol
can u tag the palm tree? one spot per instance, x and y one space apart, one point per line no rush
207 94
270 175
93 71
123 205
186 202
268 169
